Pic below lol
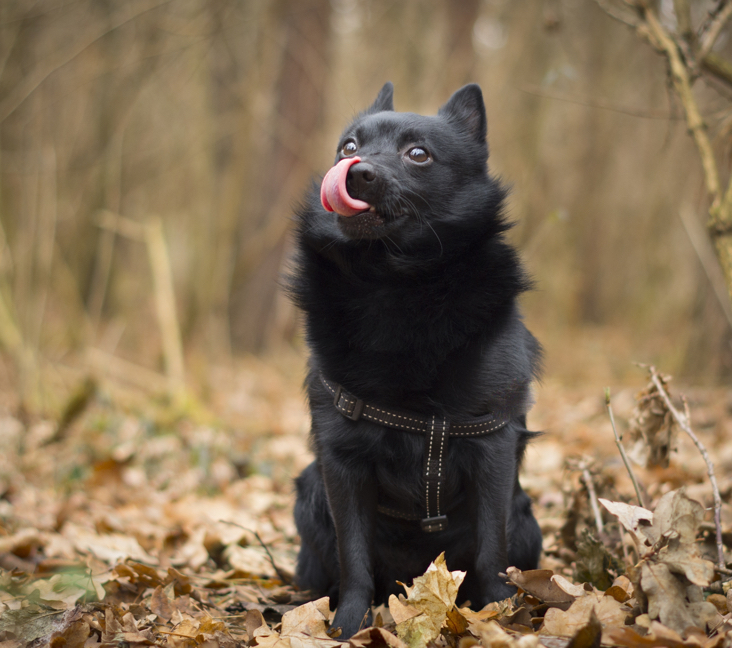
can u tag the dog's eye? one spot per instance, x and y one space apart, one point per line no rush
349 148
418 155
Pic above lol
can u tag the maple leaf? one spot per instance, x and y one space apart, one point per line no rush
422 614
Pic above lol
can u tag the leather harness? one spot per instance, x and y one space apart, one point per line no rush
437 431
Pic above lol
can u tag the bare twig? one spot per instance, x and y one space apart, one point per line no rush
284 577
587 478
715 28
705 252
621 449
162 276
681 59
683 421
621 16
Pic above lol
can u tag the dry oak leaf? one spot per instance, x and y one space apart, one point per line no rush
637 520
309 621
567 623
676 512
303 627
652 427
542 584
433 595
492 635
659 636
668 599
375 638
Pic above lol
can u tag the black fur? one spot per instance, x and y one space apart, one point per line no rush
413 307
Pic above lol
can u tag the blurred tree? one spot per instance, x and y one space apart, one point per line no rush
689 53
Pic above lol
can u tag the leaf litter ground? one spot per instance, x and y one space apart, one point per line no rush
125 520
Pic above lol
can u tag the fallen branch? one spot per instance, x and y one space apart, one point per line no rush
683 422
621 449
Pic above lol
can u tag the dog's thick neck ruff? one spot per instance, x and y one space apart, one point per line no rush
437 430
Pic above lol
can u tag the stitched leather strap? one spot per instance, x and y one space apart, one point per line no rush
354 408
437 430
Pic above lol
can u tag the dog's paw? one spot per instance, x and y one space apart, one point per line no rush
497 591
351 618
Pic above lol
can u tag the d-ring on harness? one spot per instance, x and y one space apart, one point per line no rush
437 431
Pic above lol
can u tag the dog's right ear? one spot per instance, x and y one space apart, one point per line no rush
385 100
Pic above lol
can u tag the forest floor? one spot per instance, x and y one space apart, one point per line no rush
126 520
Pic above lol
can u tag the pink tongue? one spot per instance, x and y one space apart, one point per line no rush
333 193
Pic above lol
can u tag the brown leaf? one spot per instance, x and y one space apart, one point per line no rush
20 543
375 638
667 599
686 559
160 604
588 636
540 583
73 636
636 520
720 602
652 427
401 611
567 623
433 595
112 627
308 625
253 620
492 635
676 512
456 622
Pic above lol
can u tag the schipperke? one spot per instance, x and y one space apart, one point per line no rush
420 367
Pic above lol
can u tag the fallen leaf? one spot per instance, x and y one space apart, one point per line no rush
308 620
567 586
675 512
668 602
652 427
433 595
540 583
595 564
636 520
375 638
492 635
160 604
567 623
401 611
589 635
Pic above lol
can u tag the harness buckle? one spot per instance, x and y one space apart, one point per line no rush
353 407
433 524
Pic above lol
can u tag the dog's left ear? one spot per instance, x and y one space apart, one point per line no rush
466 109
385 99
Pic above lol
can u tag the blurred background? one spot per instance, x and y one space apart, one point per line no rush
151 152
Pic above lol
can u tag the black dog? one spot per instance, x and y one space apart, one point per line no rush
409 293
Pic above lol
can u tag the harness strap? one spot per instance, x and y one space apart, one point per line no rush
437 431
354 408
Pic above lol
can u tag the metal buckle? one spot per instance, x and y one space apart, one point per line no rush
352 414
432 524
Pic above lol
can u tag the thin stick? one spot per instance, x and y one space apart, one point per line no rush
162 276
621 449
683 422
286 579
587 478
715 28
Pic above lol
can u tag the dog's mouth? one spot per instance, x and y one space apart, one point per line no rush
357 218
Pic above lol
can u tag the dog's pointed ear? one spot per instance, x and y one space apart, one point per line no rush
385 99
466 109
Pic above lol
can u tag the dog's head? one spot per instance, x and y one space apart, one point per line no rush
406 177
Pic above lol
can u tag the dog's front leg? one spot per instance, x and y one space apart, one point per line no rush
352 495
490 499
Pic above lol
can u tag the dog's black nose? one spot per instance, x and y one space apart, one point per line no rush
360 175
